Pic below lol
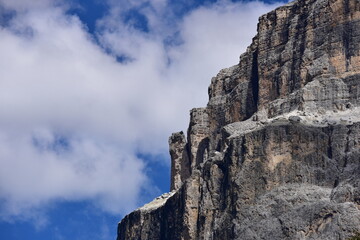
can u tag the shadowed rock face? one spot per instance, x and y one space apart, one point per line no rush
276 152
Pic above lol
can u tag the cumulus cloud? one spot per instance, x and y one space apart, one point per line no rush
74 117
24 5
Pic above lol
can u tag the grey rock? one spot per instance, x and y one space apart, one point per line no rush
180 162
294 119
235 178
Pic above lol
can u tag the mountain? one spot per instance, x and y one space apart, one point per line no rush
275 154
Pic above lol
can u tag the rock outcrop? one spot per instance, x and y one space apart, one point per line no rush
276 152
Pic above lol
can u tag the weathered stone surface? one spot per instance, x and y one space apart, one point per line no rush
180 162
198 136
276 152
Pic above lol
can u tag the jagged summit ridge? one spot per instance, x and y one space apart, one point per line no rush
276 152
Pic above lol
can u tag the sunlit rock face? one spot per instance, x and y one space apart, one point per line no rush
276 152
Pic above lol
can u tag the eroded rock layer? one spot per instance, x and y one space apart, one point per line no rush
276 152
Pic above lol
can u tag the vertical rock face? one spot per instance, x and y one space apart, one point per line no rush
180 162
198 136
276 152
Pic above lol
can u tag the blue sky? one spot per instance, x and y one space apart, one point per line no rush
90 91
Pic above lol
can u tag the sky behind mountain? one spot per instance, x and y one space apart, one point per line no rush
90 92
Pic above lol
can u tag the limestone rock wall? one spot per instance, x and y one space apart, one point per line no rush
276 152
180 161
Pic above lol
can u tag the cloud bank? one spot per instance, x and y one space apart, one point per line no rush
76 109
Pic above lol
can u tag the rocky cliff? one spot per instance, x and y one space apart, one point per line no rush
276 152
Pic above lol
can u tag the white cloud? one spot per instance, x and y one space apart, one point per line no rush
73 119
23 5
